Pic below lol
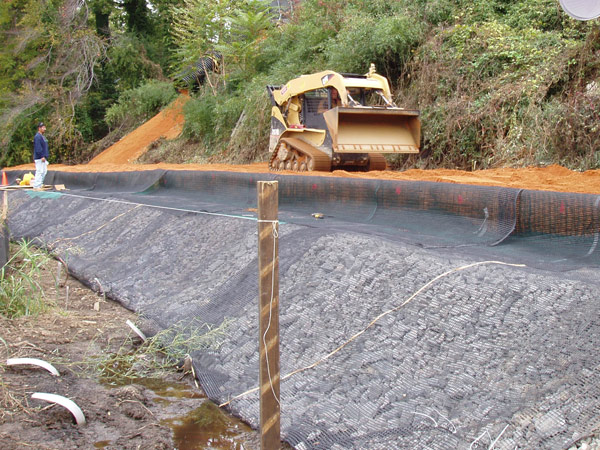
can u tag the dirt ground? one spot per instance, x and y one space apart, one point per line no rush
78 334
167 124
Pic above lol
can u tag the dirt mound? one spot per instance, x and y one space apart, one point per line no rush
166 124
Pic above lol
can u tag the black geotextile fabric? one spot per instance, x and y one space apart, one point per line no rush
485 354
550 229
103 182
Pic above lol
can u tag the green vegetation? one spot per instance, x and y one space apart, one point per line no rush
137 105
512 89
20 291
156 355
65 62
22 294
498 82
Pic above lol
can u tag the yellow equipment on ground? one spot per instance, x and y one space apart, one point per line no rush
327 121
27 179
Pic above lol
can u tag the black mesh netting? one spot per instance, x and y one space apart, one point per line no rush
487 353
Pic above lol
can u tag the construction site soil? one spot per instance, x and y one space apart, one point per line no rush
81 333
551 178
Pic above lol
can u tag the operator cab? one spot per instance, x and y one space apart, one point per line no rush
367 97
315 103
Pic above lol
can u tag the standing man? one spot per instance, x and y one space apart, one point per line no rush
40 156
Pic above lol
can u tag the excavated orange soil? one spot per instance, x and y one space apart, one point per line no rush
169 122
166 124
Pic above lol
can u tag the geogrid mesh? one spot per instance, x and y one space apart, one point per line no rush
487 353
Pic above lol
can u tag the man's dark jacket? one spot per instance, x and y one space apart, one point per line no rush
40 146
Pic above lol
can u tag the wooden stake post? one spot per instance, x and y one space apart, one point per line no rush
4 233
268 287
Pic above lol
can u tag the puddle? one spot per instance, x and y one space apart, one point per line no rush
167 393
207 427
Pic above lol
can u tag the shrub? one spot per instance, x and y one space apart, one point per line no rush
129 64
249 142
210 119
570 130
20 291
200 118
387 41
433 13
139 104
482 89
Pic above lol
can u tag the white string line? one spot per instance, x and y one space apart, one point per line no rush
476 441
496 440
493 443
453 430
125 202
408 300
429 417
72 238
264 337
275 236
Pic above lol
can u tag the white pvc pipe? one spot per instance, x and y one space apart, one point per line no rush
33 361
136 330
62 401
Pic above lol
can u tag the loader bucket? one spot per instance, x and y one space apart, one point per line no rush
370 129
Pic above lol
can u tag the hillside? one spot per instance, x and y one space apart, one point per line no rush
498 83
167 124
124 156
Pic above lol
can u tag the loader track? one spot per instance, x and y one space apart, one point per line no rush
376 162
296 155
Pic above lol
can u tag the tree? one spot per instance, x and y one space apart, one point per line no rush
242 47
233 27
137 16
54 56
102 10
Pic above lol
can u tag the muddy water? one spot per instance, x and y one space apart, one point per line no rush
206 426
169 392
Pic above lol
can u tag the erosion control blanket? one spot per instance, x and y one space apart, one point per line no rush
438 346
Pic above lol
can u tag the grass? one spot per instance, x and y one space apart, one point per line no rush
157 355
20 291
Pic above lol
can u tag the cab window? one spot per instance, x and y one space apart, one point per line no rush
316 101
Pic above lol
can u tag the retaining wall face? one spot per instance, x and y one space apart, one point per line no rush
496 349
433 213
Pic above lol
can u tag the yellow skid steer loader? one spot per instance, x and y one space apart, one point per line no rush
327 121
